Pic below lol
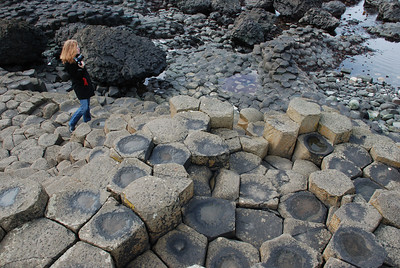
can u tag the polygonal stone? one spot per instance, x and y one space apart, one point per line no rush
194 121
207 149
182 103
80 133
335 127
365 187
330 186
128 171
74 206
211 217
133 146
113 136
249 115
257 226
227 185
21 201
243 162
31 153
313 147
302 206
147 260
277 162
304 112
360 215
137 122
388 204
285 251
166 130
383 175
98 123
49 139
170 153
82 254
254 145
96 152
256 191
389 238
35 244
231 138
313 234
387 153
95 138
336 263
182 247
201 176
333 161
220 113
355 246
156 201
118 230
115 123
354 153
304 167
255 129
223 252
287 181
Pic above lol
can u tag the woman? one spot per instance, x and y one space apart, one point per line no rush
81 83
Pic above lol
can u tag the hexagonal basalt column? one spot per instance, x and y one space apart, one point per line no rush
118 230
281 133
194 121
285 251
220 113
166 130
147 260
35 244
223 252
383 175
256 191
182 247
81 254
183 103
257 226
330 186
313 147
335 127
243 162
287 181
207 149
355 246
170 153
365 187
133 146
21 201
128 171
387 153
334 161
304 112
354 153
360 215
388 204
156 201
211 217
303 206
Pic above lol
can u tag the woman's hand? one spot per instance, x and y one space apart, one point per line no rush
81 64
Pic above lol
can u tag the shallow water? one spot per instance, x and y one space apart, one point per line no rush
383 62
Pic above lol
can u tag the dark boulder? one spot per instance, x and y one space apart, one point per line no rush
267 5
20 43
253 27
116 56
336 8
194 6
320 18
295 9
226 7
389 11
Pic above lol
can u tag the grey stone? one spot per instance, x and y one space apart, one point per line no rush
182 247
224 252
354 153
49 139
355 246
387 153
80 133
170 153
387 203
254 145
227 184
304 112
115 122
383 175
166 130
389 238
118 230
256 191
220 113
95 138
201 176
333 161
365 187
313 234
183 103
21 201
335 127
35 244
156 201
287 181
336 263
257 226
211 217
133 146
82 254
243 162
194 120
313 147
304 167
147 260
277 162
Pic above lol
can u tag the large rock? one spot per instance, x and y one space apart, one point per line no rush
320 19
194 6
116 56
19 38
304 112
253 27
387 203
389 11
336 8
295 9
227 7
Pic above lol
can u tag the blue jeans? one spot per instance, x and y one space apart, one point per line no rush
83 110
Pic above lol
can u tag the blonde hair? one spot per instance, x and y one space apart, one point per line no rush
69 51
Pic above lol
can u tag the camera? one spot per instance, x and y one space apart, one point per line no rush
79 59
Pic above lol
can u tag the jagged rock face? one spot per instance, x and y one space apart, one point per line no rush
320 18
116 56
194 6
389 12
18 38
295 9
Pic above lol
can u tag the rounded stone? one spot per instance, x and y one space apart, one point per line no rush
135 145
170 153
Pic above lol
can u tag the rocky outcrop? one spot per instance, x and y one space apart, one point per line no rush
194 6
336 8
320 19
389 11
116 56
295 9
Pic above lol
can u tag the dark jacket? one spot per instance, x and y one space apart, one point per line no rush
81 82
